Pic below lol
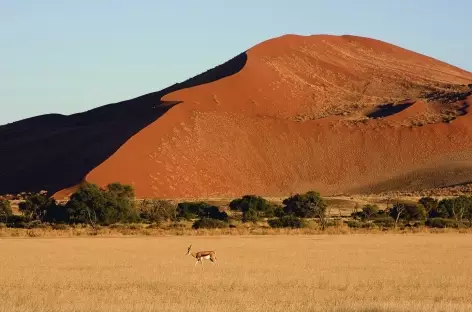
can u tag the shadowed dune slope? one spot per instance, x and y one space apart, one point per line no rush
54 152
337 114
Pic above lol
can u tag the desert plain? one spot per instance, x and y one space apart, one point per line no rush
363 272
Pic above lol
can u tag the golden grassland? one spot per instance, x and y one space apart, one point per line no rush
146 230
420 272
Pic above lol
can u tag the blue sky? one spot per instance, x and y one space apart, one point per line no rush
70 56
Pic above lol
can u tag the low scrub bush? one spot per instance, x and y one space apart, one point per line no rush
361 225
354 223
209 223
36 224
17 221
60 226
287 222
191 210
384 222
249 202
251 215
420 223
276 211
442 223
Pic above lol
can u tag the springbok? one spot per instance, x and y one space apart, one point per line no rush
202 255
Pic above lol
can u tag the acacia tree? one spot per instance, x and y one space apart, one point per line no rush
36 206
253 207
454 208
93 205
369 210
122 191
308 205
397 211
431 206
407 211
320 213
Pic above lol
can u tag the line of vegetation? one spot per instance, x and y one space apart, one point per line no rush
116 204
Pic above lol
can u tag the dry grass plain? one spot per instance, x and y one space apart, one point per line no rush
416 272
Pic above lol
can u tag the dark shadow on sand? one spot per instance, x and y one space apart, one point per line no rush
52 152
386 110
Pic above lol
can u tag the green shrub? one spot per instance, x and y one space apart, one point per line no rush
56 214
306 205
431 206
213 212
275 211
188 210
5 210
251 215
354 224
209 223
36 206
192 210
419 223
384 222
15 221
92 205
248 202
122 191
408 211
441 223
287 222
252 206
369 211
454 208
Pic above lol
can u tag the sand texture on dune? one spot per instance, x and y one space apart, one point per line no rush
338 114
296 117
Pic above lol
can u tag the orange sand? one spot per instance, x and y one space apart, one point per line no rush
277 126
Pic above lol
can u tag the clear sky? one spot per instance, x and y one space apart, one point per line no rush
69 56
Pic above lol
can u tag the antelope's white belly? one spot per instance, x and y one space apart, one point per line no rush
206 257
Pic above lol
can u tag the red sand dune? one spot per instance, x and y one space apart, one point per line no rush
237 135
295 118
